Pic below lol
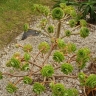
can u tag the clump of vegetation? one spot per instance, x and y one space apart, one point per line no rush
61 53
85 7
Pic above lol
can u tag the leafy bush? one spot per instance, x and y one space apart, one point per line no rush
88 7
62 55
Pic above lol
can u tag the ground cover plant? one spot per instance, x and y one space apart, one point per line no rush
61 54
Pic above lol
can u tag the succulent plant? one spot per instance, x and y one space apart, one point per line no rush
60 43
82 62
38 88
58 56
46 10
27 80
82 78
15 62
16 55
83 55
57 13
43 23
27 56
83 52
25 67
63 5
71 47
50 29
8 64
27 48
91 81
83 23
84 32
66 68
59 53
44 46
73 13
67 33
47 71
11 88
72 22
58 89
71 92
68 10
41 9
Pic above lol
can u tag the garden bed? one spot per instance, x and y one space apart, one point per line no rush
69 82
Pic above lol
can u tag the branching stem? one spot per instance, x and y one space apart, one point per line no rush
35 64
18 81
65 76
51 49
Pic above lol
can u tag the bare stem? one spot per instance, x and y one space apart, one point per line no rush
38 54
75 28
35 64
71 58
66 17
18 81
71 34
13 75
58 30
35 73
84 91
57 68
65 76
51 49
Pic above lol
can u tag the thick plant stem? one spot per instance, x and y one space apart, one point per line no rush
52 47
58 30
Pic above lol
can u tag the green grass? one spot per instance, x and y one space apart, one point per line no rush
13 14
